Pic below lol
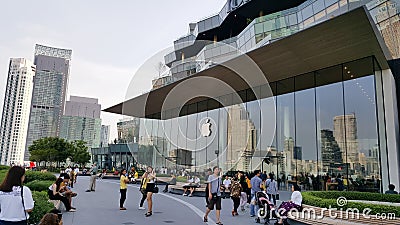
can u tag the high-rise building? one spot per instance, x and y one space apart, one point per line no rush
104 135
330 152
49 92
345 133
81 121
16 109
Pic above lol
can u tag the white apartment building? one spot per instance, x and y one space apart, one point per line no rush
16 110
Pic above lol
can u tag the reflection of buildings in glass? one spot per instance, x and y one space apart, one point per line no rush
104 135
345 133
330 152
128 130
181 157
372 162
242 139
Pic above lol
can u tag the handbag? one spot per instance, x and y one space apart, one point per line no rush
155 189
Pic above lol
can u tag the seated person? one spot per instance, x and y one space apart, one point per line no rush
194 183
391 190
56 191
65 186
171 182
294 203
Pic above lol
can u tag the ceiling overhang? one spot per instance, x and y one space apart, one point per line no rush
348 37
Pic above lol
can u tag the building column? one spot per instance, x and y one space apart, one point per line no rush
390 157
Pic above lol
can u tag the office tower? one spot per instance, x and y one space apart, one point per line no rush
330 152
49 92
104 135
17 106
81 121
345 133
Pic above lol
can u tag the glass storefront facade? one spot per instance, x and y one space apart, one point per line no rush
324 123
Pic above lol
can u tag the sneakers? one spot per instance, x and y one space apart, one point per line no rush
141 208
88 191
185 194
190 195
122 208
72 210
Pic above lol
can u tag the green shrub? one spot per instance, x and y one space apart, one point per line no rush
32 175
352 195
328 200
39 185
2 167
42 206
181 179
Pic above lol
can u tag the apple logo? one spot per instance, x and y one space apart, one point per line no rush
206 129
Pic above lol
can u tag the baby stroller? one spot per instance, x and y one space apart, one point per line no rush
266 208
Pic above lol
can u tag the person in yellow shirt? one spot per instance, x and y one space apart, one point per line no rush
123 189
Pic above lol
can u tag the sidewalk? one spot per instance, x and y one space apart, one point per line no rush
101 207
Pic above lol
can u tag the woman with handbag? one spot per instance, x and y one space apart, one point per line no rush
15 200
150 189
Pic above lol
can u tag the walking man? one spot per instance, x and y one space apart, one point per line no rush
93 176
214 195
256 184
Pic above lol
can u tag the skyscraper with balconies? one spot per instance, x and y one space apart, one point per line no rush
49 92
17 106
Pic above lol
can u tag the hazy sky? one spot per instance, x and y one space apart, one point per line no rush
110 39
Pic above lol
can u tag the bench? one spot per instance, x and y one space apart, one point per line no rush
199 192
327 220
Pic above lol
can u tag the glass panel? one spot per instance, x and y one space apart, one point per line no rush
259 28
223 138
393 7
320 16
292 19
330 2
212 138
201 145
307 12
254 123
332 10
305 152
330 108
285 129
308 22
318 6
361 135
192 135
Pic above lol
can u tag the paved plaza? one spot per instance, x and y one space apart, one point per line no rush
101 207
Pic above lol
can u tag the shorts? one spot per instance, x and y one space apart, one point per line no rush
215 201
150 187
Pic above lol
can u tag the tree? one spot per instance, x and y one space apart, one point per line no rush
80 154
50 149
